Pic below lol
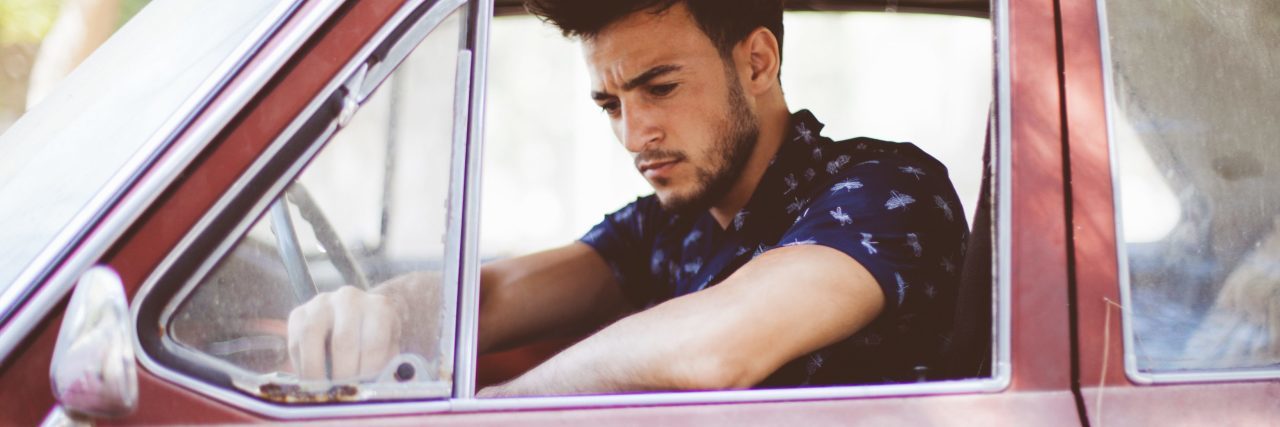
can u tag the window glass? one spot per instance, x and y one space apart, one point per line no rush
369 208
1193 125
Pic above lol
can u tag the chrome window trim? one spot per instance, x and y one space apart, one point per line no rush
1131 369
986 385
457 222
439 11
1001 370
161 174
469 302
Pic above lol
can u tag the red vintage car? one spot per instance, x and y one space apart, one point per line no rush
215 164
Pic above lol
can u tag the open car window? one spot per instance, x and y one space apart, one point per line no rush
1192 117
373 204
552 158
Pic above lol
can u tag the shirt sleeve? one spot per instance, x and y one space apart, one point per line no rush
625 239
902 223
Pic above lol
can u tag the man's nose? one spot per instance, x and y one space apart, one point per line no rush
640 128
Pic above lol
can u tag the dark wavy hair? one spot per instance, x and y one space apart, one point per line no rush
725 22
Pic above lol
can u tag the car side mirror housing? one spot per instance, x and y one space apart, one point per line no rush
93 371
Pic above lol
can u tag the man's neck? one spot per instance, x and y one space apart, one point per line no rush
774 126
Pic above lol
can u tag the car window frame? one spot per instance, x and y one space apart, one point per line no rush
464 400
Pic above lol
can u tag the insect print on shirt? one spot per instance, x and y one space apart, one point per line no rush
913 171
947 265
942 204
593 235
871 340
655 263
902 288
847 185
791 182
704 283
842 217
801 216
898 200
868 243
798 242
817 154
803 133
930 291
692 238
913 241
692 267
809 174
797 205
760 249
815 362
835 165
740 219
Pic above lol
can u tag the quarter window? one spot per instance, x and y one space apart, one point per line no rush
1193 108
370 207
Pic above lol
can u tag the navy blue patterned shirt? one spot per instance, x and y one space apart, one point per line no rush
889 206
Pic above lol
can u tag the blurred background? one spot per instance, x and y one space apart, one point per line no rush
41 41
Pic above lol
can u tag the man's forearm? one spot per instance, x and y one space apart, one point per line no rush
641 352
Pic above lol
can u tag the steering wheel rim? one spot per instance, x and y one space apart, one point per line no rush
291 250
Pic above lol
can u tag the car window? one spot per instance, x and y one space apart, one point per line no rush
553 167
1193 106
368 208
551 155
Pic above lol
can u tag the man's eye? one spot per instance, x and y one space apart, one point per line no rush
610 108
662 90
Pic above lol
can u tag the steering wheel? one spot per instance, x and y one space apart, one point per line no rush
291 254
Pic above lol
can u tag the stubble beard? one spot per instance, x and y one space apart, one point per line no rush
735 141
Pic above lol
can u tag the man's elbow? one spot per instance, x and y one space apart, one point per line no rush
711 372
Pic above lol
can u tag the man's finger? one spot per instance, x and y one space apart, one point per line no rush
311 341
380 331
346 340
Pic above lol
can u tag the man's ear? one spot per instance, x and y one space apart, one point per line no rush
759 57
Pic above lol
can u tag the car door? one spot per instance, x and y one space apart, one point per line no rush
1173 210
249 162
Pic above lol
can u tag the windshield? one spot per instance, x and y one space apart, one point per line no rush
62 162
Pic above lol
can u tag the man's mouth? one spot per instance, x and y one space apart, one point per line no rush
656 168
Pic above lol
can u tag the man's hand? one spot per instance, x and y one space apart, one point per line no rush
354 331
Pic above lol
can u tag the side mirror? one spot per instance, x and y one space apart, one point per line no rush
93 371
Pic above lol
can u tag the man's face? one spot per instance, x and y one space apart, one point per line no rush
675 105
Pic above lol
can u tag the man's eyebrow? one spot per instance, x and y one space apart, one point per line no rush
640 80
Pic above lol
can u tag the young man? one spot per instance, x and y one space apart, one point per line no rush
769 255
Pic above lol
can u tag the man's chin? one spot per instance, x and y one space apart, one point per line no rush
678 203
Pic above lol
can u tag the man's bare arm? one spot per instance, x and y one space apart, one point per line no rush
552 292
784 304
522 298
